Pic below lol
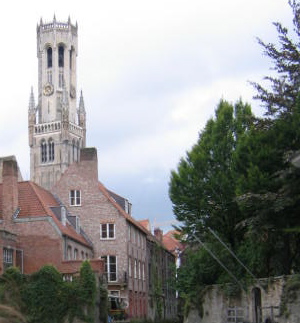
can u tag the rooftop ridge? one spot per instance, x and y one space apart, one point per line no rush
104 190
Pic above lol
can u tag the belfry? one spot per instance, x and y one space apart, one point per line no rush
56 127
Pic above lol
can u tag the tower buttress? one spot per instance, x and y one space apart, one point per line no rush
31 117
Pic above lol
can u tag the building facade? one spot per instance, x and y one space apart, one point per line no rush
36 229
57 127
117 237
61 162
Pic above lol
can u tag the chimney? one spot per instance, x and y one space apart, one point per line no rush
9 187
89 163
158 234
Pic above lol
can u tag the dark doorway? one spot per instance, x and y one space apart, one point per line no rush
256 294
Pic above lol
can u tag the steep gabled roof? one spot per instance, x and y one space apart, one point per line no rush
119 199
35 201
129 218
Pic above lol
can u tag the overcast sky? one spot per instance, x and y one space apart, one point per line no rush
151 72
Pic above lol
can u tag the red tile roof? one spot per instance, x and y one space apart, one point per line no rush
145 224
171 242
35 201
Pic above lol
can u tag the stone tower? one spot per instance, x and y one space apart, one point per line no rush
57 128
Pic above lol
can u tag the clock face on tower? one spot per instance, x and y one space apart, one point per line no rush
48 89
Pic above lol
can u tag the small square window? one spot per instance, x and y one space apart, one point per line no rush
107 231
75 198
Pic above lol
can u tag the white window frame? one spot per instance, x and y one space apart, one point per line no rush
8 257
75 197
108 264
135 268
139 270
107 231
129 267
115 293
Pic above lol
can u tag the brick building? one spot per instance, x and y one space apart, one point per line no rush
80 218
116 236
36 229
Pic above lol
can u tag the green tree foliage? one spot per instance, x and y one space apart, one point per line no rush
282 96
10 296
203 192
239 179
203 187
44 297
88 289
268 189
268 184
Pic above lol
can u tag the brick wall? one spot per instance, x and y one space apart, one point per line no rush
96 208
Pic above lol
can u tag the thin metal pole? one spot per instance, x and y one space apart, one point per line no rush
219 262
232 253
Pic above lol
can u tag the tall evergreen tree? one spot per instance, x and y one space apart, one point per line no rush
281 97
203 187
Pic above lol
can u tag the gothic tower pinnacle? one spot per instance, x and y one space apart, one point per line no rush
56 129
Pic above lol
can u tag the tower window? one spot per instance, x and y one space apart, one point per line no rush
49 57
43 152
71 57
51 150
60 56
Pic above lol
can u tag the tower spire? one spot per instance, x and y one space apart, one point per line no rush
31 107
81 103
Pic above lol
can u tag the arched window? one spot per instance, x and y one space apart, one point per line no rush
51 150
43 151
60 56
49 57
69 253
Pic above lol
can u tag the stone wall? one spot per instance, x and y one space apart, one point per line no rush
270 300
